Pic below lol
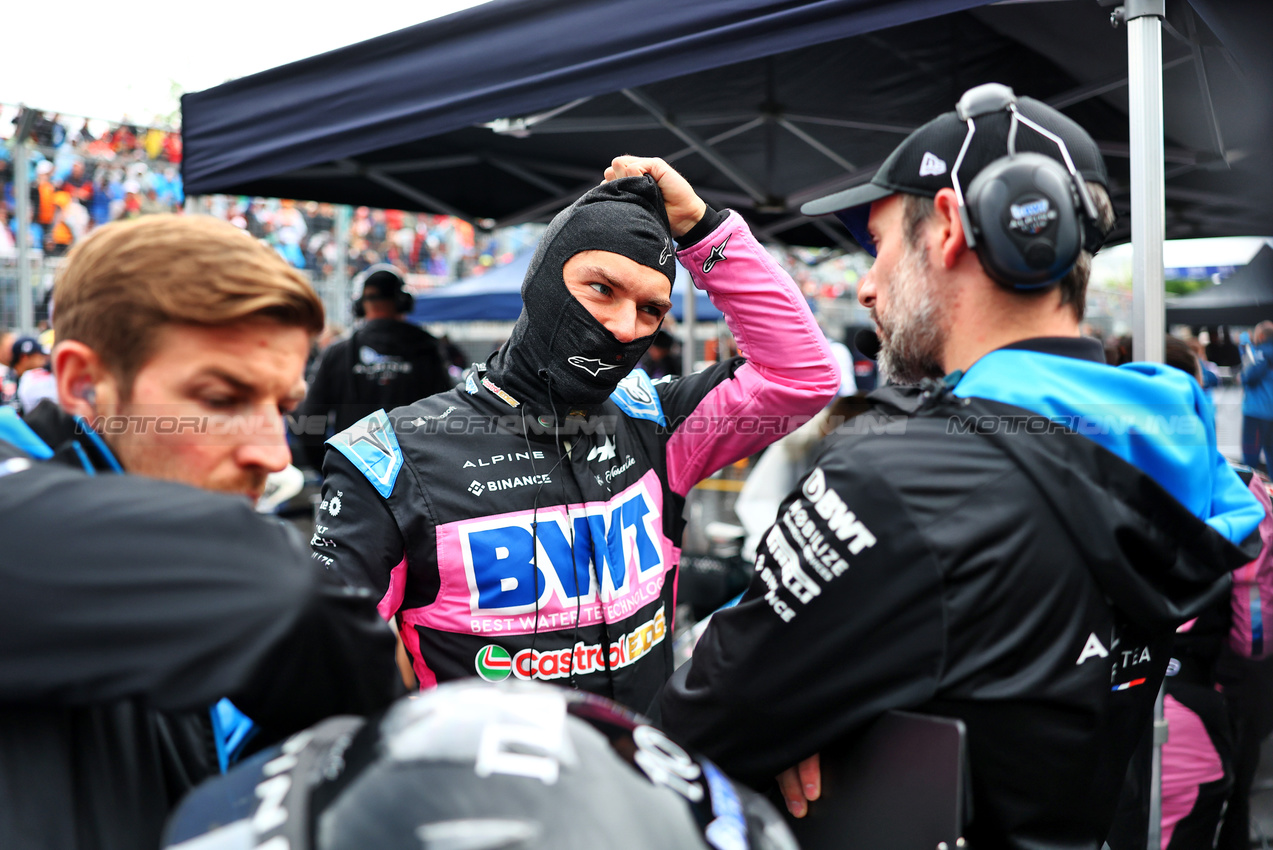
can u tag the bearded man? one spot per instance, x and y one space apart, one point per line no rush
1019 554
529 523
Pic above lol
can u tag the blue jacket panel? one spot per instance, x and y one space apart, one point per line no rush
1153 416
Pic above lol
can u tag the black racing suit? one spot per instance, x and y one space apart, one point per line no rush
506 548
126 603
972 558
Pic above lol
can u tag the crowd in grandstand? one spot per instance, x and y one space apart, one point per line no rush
80 179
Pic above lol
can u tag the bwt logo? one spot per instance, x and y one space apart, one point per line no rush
618 542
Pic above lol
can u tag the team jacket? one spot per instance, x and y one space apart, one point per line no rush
131 605
386 363
504 546
1019 563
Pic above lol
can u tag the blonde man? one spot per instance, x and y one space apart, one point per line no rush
133 605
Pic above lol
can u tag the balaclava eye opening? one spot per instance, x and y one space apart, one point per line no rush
556 342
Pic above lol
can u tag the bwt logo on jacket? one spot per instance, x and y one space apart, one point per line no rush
617 543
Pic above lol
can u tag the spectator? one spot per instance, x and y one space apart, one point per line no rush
1257 397
34 378
1221 350
43 204
79 184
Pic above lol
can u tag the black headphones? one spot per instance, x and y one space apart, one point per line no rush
403 300
1027 215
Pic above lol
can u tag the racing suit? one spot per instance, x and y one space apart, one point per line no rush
504 546
130 606
1012 547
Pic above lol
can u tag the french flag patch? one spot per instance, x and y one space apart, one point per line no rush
1133 683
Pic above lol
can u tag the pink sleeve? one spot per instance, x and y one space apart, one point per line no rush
1253 587
790 373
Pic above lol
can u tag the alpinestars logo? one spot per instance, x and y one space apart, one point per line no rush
603 452
716 256
476 488
592 366
666 254
931 165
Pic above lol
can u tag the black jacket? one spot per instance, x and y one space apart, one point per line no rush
386 363
1027 581
125 598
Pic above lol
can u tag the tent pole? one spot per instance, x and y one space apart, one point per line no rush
1149 223
1144 87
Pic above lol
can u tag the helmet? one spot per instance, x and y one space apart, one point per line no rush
478 765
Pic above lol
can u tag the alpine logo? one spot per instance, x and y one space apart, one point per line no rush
1092 649
717 255
931 165
493 663
603 452
369 355
590 365
476 488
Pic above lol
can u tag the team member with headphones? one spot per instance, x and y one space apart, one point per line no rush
386 363
1019 554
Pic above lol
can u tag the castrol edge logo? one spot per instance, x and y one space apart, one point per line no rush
494 664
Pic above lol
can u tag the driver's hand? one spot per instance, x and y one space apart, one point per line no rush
684 207
800 784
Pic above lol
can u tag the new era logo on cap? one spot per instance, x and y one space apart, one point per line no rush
931 165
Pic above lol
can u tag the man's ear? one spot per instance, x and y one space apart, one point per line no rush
954 244
81 376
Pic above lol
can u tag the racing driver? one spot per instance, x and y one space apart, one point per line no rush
527 523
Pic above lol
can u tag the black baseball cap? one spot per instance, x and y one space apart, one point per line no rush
382 281
24 345
922 163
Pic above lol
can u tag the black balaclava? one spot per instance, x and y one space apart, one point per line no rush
556 345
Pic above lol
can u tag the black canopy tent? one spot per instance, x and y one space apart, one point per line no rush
507 111
1244 299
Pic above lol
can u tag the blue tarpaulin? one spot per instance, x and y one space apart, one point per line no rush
497 296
